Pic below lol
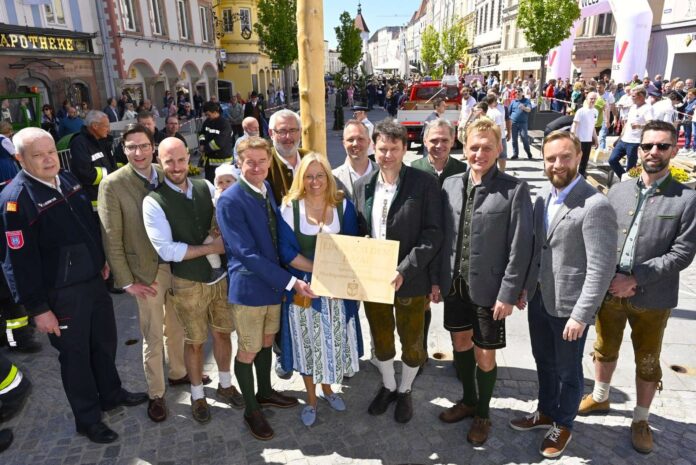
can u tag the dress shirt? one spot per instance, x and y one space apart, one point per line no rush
158 229
384 196
628 251
354 176
556 199
287 163
55 186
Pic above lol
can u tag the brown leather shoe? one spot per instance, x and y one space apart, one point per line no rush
276 399
457 412
478 433
641 437
157 409
258 426
200 410
185 380
534 420
231 396
589 406
555 441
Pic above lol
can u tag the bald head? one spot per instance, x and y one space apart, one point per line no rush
174 158
250 126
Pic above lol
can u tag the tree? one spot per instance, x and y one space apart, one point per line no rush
453 46
277 31
430 48
545 24
349 43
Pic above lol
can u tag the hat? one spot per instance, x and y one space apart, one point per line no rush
360 108
227 169
655 93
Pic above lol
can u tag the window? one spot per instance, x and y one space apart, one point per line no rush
245 18
203 13
227 20
54 12
128 15
157 18
506 40
583 28
605 24
183 19
485 18
492 14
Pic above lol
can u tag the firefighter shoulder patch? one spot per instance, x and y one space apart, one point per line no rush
15 239
11 206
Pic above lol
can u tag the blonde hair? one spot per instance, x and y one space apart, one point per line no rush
483 124
297 191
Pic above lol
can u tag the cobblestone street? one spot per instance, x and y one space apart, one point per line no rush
44 431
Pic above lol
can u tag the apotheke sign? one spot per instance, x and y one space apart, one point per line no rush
41 42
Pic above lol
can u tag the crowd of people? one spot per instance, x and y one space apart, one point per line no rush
234 252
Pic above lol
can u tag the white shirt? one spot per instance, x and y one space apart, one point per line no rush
608 97
499 118
56 187
354 176
638 116
158 229
8 145
287 163
664 111
585 119
467 108
624 104
307 228
384 196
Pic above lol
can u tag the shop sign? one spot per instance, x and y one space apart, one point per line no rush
42 42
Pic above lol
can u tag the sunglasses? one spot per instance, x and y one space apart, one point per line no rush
661 147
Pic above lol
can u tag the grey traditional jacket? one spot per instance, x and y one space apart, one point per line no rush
666 240
574 260
344 181
501 236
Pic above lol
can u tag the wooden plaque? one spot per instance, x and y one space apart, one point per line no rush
355 268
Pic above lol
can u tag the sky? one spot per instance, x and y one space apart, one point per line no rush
377 14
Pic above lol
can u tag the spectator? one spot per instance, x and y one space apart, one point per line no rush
111 110
130 113
519 115
638 116
70 124
49 122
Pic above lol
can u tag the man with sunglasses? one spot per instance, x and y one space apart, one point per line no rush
657 239
135 265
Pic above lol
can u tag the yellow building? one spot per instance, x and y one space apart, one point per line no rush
242 66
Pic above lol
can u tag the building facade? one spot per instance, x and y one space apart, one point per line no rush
672 49
52 49
154 46
383 48
243 66
485 54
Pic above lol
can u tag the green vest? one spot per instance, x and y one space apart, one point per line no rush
190 221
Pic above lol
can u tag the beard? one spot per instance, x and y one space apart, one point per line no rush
559 181
283 152
657 167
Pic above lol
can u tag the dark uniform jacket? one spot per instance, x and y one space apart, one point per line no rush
414 220
91 160
51 239
216 138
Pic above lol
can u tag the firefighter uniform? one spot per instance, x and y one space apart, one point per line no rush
14 390
52 258
90 161
215 137
18 334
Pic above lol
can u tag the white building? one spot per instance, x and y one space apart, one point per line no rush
672 50
383 48
485 53
160 45
332 62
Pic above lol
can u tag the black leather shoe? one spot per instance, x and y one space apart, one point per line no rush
276 399
381 402
6 438
99 433
131 399
404 407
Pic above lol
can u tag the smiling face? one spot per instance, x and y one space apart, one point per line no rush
439 140
656 161
561 162
389 153
315 180
482 150
286 135
138 150
174 158
254 165
356 141
40 159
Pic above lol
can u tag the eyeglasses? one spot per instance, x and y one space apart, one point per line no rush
134 147
321 177
660 147
285 132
